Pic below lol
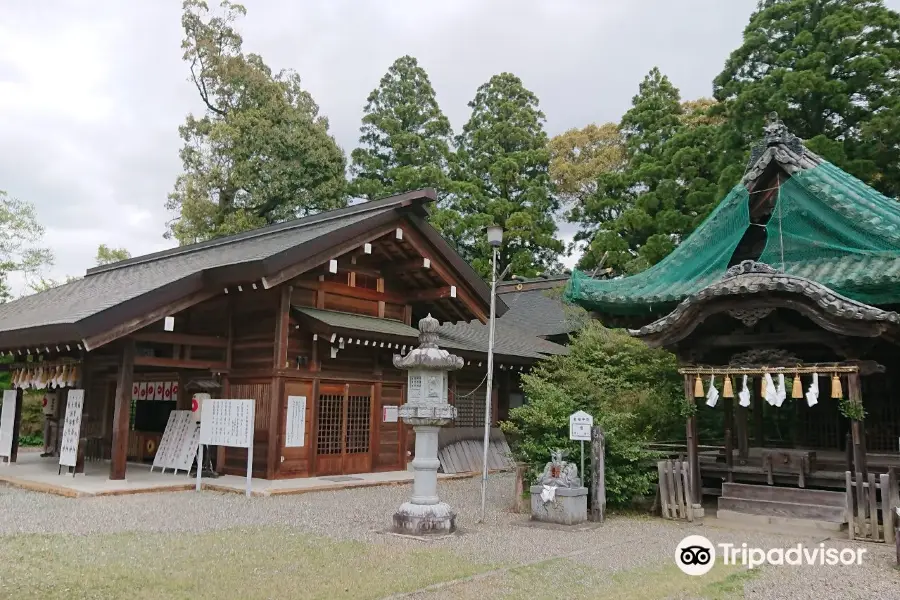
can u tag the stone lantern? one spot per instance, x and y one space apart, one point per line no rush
426 409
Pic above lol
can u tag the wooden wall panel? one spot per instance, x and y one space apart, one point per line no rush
388 456
394 311
359 306
295 462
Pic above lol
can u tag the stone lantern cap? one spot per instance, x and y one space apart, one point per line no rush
427 355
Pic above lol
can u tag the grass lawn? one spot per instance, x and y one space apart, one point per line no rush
275 563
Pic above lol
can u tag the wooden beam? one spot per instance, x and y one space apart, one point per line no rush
407 266
303 266
185 339
434 294
132 325
159 361
413 239
122 414
282 329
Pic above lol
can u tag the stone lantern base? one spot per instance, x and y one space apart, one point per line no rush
424 519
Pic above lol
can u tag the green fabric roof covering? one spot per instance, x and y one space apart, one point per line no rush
826 226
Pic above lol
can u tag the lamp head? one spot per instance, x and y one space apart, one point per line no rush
495 235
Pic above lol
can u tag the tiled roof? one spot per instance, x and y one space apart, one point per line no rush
74 310
539 312
471 337
104 288
832 229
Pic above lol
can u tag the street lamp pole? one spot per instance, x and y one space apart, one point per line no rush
495 237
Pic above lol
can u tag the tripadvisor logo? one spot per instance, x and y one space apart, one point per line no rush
696 555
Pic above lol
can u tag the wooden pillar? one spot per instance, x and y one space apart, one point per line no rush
17 424
276 397
759 432
856 427
692 443
122 412
598 474
740 427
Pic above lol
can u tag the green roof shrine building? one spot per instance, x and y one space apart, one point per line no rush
793 281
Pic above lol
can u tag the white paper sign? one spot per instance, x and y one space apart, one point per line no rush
7 422
390 414
68 450
295 428
187 452
580 424
227 423
165 442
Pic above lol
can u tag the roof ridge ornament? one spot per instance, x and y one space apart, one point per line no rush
749 266
775 133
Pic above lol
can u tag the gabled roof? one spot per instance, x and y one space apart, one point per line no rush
535 307
466 337
821 224
113 294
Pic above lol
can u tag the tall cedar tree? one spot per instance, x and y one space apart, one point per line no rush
405 138
831 70
260 153
640 213
502 178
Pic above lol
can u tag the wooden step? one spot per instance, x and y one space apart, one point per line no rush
792 510
779 525
783 494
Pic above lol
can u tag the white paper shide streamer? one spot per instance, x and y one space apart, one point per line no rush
744 394
771 395
712 396
812 394
780 392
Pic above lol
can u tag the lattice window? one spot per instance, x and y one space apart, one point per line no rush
469 408
330 423
358 424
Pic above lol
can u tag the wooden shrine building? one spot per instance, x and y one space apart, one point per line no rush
796 273
314 307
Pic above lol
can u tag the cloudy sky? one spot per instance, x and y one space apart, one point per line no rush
92 92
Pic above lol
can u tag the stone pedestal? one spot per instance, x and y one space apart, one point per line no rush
569 506
426 410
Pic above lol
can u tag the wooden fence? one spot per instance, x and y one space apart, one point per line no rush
871 506
675 490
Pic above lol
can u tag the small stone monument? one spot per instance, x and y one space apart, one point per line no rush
426 409
558 497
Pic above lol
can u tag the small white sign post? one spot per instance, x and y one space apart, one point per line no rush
7 423
68 452
227 423
580 424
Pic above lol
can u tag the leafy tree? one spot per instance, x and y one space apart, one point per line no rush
640 213
405 138
502 178
831 70
20 237
42 284
579 157
260 153
634 393
107 255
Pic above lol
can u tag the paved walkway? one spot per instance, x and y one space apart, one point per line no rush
38 474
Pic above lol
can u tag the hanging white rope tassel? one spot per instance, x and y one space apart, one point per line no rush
780 392
771 394
744 394
812 394
712 396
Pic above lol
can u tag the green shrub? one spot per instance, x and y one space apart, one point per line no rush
633 392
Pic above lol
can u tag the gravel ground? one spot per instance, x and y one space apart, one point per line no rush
598 555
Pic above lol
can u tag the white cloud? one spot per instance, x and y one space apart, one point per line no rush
92 93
